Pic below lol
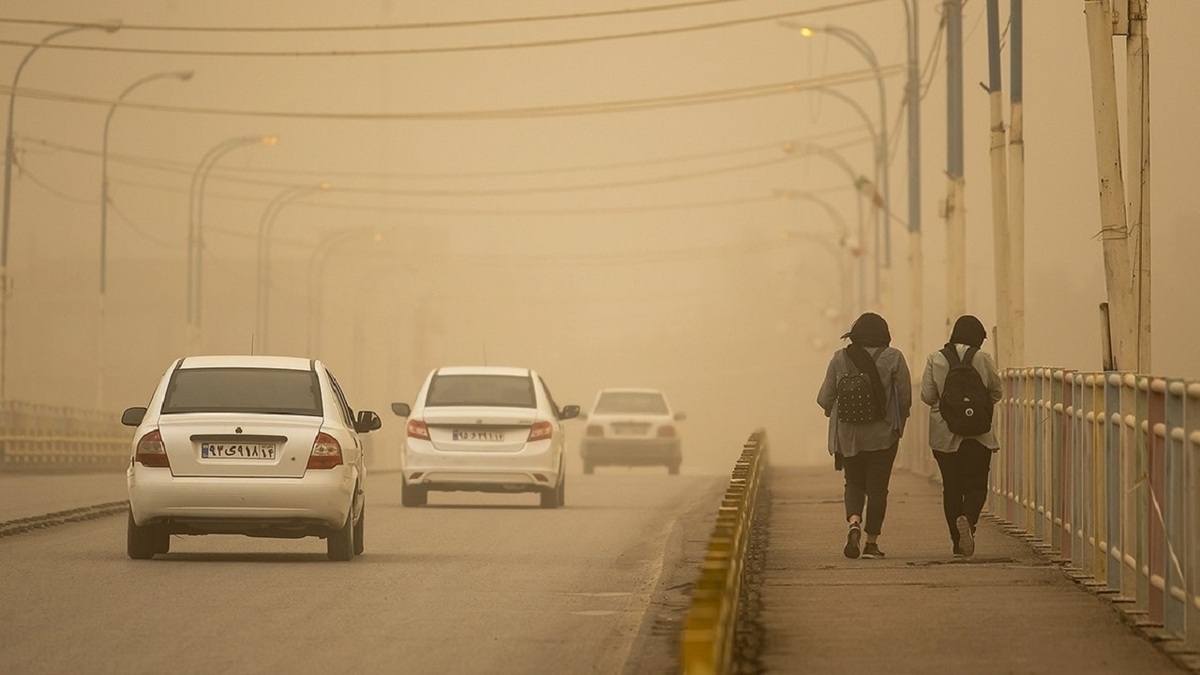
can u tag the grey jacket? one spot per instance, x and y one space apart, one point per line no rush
851 439
936 368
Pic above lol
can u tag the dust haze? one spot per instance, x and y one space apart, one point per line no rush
489 203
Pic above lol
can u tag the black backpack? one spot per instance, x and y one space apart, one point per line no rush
857 400
965 403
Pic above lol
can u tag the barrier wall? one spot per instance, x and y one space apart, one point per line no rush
1101 469
711 621
37 437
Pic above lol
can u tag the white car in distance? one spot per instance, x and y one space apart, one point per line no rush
263 446
631 427
484 429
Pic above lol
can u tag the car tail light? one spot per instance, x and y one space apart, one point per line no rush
326 453
417 429
540 431
152 452
666 431
595 430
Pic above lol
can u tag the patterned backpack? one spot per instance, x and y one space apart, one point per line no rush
857 400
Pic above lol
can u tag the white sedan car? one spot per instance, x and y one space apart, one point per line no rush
631 427
484 429
264 446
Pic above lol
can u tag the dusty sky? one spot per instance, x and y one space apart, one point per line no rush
486 203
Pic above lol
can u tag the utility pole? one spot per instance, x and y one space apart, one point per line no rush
955 209
1114 233
1137 46
1000 242
1016 183
916 262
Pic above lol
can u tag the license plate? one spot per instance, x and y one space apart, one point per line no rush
237 450
472 435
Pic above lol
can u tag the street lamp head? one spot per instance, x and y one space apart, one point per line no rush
269 140
325 185
110 26
803 30
184 75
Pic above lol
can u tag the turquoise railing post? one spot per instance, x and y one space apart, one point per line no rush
1084 484
1156 538
1036 421
1114 481
1175 514
1140 491
1069 470
1191 444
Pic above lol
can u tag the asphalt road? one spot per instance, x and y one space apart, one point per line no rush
470 584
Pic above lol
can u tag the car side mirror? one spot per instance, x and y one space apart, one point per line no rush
679 417
133 416
401 409
367 421
569 412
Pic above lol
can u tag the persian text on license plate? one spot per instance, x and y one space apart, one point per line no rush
473 435
237 450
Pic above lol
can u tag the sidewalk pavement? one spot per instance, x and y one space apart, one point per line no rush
24 495
1007 609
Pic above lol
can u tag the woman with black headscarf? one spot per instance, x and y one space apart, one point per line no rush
964 461
867 449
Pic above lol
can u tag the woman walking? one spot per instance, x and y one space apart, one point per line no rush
867 395
961 434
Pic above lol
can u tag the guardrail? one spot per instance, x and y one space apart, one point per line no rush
710 623
36 437
1102 470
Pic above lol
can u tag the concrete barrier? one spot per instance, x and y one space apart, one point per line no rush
709 626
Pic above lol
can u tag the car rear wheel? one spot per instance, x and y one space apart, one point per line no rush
556 497
141 543
673 469
339 545
358 532
413 496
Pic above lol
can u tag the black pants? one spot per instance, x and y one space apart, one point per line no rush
964 482
867 478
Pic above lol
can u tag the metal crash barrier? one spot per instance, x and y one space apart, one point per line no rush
37 437
1102 470
709 627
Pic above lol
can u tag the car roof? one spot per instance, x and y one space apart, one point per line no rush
483 370
248 361
631 390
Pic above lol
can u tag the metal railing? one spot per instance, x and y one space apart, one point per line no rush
36 437
1101 469
710 624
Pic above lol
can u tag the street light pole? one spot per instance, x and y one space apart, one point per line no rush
195 241
316 271
9 156
183 75
849 242
264 254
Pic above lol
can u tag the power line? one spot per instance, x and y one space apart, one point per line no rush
467 23
558 42
603 107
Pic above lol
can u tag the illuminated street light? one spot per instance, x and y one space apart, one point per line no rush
9 156
196 223
265 224
183 75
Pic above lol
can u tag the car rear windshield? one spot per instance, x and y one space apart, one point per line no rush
248 390
508 391
632 402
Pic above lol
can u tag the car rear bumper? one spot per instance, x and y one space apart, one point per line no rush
631 452
320 499
530 470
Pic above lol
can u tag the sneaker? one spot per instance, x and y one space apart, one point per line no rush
958 552
852 537
966 537
872 551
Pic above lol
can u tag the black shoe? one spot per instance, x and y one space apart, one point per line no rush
958 552
852 537
871 551
966 536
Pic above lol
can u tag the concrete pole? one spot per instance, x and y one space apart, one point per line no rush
1137 46
999 170
1113 231
916 264
956 223
1016 183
